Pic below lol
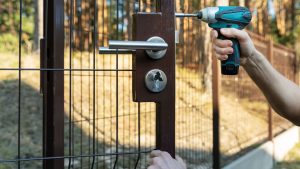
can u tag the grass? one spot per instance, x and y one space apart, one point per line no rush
243 121
292 159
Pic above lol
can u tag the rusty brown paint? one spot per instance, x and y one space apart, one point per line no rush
53 116
145 26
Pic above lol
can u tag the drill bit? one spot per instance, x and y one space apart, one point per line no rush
183 15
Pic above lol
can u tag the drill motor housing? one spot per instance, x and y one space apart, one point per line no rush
227 17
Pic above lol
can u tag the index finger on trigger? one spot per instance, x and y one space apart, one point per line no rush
213 35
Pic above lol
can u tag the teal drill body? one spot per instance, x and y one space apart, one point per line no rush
227 17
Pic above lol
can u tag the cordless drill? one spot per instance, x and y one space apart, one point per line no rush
225 17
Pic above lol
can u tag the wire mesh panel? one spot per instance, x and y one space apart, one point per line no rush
193 89
284 60
101 126
104 128
21 119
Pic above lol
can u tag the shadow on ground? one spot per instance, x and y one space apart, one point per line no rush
31 136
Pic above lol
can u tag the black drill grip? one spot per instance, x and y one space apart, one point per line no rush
232 64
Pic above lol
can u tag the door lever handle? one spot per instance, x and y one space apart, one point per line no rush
135 45
155 47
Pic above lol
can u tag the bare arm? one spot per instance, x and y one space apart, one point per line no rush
282 94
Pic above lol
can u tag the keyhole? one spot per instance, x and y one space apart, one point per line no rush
158 77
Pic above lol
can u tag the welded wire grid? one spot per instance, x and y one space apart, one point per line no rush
244 119
103 127
101 117
284 60
193 91
20 101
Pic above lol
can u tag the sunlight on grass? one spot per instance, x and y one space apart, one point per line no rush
291 160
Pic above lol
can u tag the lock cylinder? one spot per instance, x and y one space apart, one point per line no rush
156 80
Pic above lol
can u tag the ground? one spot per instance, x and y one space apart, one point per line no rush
292 159
243 120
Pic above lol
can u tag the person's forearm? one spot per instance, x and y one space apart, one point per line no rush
282 94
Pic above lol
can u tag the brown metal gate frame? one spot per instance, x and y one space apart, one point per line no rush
52 78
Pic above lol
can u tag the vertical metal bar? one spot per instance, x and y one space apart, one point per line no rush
165 110
54 110
70 79
139 135
117 92
216 113
270 118
45 33
19 85
94 78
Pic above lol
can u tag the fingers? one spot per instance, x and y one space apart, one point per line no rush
219 42
158 161
213 35
235 33
222 47
221 57
181 162
153 167
223 51
166 155
162 159
155 153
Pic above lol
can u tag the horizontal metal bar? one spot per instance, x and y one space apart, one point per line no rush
105 50
58 69
79 156
135 45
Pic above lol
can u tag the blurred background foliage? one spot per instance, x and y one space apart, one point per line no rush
276 19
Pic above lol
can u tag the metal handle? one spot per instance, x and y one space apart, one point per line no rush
135 45
106 50
155 47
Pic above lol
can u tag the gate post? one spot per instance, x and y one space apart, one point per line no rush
162 24
53 84
165 112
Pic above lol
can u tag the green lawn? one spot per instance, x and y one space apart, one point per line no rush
292 160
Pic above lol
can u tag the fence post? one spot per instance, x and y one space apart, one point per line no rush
216 112
53 88
270 118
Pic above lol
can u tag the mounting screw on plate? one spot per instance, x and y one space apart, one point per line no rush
156 80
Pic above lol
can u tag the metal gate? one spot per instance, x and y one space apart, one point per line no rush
103 126
94 110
